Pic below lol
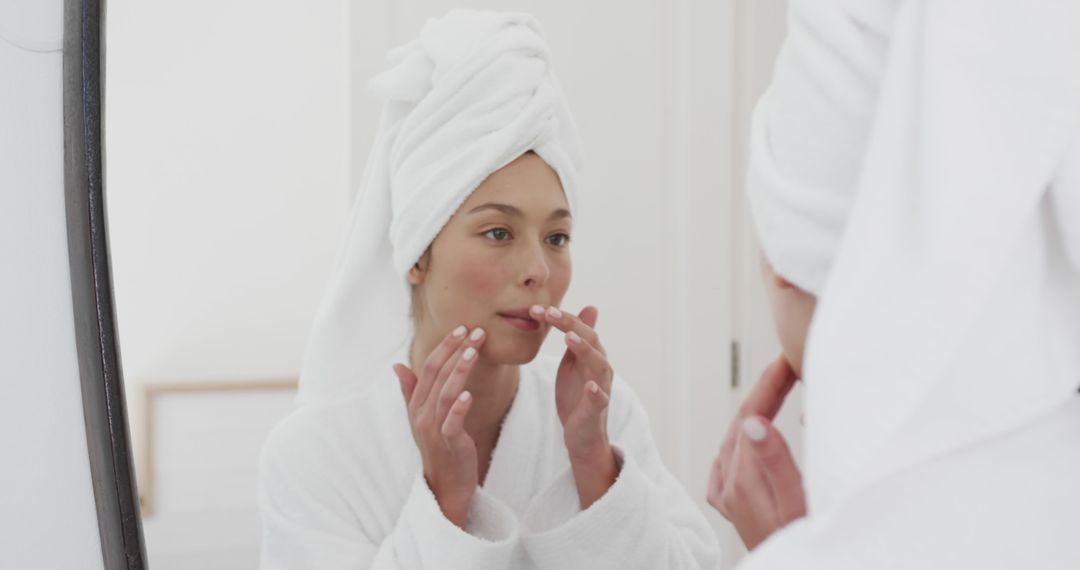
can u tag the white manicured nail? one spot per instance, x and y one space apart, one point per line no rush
555 313
573 336
469 354
594 387
464 396
477 334
754 429
459 332
536 310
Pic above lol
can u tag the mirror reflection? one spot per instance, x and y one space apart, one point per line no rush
483 299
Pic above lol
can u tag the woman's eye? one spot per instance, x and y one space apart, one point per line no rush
559 240
497 234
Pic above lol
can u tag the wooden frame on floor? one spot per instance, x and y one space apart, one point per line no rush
152 391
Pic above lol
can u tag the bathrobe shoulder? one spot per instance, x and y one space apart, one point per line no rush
341 487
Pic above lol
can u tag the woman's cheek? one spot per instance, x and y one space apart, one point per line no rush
481 278
561 272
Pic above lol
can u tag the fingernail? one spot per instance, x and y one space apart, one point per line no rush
477 334
594 387
536 310
573 336
459 332
754 429
464 396
555 313
469 354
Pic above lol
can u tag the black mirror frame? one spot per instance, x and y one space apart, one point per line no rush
108 443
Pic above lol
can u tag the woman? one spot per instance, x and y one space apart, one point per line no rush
433 436
915 180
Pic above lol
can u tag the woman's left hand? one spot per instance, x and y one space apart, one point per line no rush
582 391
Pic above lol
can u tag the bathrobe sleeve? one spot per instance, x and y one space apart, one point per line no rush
645 520
321 511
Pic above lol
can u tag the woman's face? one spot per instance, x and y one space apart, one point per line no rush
504 250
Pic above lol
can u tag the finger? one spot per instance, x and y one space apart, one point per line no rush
588 414
765 399
768 393
453 427
778 466
589 316
473 340
715 487
726 457
435 362
568 322
748 494
595 362
454 385
727 447
748 498
597 398
407 380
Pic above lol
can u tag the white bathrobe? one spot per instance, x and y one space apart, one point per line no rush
341 487
917 164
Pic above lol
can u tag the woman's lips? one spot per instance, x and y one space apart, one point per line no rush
521 323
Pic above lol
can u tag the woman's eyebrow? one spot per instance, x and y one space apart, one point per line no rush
559 214
504 208
512 211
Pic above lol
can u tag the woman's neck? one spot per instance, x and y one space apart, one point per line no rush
492 386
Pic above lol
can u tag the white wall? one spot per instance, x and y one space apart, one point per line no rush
47 512
227 180
227 141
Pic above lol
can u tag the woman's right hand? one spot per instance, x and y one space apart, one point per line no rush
437 404
755 482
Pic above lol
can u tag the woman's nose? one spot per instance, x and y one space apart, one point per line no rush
536 268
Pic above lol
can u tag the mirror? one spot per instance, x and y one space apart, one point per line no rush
237 135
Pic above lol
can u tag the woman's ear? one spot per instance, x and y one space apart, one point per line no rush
418 272
782 283
773 278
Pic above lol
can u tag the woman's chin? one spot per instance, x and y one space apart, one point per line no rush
505 351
